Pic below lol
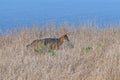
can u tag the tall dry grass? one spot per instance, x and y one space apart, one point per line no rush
95 56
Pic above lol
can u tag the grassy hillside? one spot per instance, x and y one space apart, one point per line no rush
95 56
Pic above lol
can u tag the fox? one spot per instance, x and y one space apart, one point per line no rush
52 43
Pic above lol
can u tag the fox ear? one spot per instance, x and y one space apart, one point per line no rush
65 34
66 37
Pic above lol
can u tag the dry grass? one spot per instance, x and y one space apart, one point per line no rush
95 56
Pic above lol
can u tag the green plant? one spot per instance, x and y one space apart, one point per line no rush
40 49
43 49
52 52
87 49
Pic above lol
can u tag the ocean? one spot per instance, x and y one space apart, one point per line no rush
19 13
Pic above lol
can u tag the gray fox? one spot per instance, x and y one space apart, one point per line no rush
52 43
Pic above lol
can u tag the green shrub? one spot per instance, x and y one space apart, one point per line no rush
44 49
87 49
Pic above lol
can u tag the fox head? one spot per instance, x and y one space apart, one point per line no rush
66 37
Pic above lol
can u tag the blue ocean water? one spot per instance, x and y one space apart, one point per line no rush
17 13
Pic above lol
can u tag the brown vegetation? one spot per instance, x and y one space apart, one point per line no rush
95 56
